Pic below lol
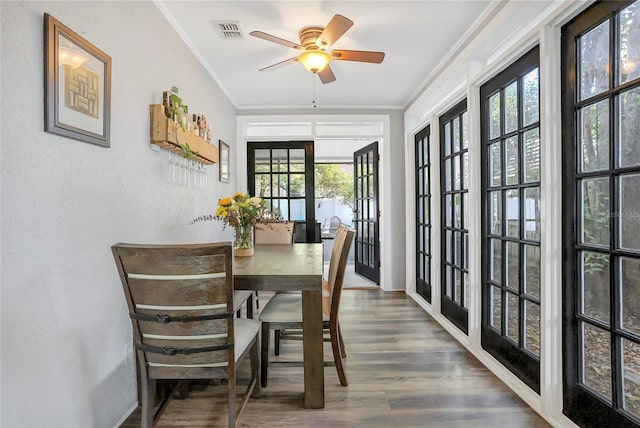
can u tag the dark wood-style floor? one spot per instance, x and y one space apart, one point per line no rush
404 370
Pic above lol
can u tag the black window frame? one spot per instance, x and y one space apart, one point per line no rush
423 212
514 356
454 311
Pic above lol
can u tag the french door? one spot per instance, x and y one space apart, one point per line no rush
510 132
423 214
454 144
366 212
282 174
601 215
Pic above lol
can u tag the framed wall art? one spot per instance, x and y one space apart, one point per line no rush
224 161
77 85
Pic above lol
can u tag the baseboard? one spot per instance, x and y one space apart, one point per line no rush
126 415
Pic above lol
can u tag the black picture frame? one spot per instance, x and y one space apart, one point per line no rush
77 86
225 174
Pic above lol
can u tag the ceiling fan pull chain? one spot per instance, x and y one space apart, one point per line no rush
313 101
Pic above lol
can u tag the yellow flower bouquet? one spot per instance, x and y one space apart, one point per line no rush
240 211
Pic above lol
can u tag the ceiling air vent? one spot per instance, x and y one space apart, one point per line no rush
228 29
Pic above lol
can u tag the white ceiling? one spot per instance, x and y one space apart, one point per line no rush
417 37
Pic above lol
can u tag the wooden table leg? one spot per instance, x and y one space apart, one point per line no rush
313 349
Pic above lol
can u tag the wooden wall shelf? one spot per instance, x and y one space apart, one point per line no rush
169 135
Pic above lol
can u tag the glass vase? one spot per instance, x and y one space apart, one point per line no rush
243 242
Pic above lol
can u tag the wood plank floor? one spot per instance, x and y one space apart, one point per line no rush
404 370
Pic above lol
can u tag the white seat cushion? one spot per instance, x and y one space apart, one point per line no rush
284 307
245 330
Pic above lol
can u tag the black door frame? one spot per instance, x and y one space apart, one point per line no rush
309 197
364 266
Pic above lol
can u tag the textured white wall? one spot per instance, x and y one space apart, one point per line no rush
64 203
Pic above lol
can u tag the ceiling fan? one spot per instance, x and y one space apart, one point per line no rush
314 42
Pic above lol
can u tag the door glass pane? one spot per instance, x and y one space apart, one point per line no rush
495 166
447 210
630 278
495 255
457 213
513 312
530 98
532 270
297 209
449 247
465 210
447 138
263 185
512 265
456 172
495 212
448 281
296 185
465 170
494 116
511 160
596 360
631 371
465 130
532 213
456 134
532 327
630 211
279 160
447 175
629 123
594 136
594 211
531 155
262 157
511 107
629 50
595 285
281 206
513 213
296 160
457 248
279 184
457 285
495 303
594 61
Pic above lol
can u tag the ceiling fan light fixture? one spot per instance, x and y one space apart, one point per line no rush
314 60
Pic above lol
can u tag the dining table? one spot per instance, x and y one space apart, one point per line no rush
290 267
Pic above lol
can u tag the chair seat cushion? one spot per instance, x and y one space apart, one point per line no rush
284 307
245 330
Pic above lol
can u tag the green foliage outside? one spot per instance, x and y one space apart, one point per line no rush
331 181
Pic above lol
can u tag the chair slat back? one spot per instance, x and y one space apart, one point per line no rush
338 266
180 300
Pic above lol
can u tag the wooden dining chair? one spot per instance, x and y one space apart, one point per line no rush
283 312
180 300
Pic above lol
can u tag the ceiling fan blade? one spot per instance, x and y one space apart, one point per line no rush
326 75
333 31
361 56
274 39
280 64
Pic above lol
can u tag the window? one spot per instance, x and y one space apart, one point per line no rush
423 214
510 129
454 139
601 220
